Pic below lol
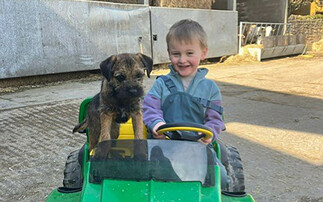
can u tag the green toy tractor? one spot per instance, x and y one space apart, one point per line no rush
180 169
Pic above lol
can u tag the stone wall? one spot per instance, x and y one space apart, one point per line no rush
312 28
201 4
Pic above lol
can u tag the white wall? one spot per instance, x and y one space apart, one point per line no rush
44 36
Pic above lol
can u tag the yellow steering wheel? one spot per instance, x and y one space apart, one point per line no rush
185 131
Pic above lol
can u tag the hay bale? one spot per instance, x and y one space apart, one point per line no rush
202 4
317 46
245 57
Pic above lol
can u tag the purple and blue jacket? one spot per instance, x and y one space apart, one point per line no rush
200 87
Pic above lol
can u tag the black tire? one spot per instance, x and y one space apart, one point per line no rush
73 171
231 160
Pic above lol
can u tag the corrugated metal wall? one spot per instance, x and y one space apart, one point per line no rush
44 36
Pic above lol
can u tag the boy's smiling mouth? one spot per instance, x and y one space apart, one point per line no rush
184 66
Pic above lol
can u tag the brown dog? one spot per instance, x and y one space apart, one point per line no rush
119 98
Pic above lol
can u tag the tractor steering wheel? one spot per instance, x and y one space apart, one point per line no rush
185 131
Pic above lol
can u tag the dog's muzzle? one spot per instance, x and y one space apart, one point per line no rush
129 91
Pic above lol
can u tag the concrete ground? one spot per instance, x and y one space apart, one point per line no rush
273 115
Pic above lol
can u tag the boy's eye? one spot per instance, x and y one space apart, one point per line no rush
175 54
190 53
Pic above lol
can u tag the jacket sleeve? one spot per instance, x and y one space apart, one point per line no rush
152 113
214 120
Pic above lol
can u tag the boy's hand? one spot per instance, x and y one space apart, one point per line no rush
205 141
155 134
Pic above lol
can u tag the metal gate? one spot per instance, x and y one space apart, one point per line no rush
269 39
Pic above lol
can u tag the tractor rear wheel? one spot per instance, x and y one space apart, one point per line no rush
231 160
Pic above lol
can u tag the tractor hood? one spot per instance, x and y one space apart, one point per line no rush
150 191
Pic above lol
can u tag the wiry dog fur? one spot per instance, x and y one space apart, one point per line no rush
119 98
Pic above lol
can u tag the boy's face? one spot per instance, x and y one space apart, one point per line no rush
185 56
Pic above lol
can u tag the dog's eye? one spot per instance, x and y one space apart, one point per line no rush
120 77
139 75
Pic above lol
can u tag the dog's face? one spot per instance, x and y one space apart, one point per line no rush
124 73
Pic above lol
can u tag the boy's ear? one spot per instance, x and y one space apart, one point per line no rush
204 53
168 53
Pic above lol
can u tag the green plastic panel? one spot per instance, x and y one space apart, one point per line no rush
57 196
247 198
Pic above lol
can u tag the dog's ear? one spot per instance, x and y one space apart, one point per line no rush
148 63
107 65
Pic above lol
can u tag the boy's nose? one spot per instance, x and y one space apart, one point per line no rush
182 59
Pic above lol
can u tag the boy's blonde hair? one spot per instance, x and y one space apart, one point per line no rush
187 30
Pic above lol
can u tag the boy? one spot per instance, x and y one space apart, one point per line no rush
185 95
186 46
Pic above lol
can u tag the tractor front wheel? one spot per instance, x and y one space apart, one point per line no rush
73 171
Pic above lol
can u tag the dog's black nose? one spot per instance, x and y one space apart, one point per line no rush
133 91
